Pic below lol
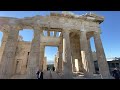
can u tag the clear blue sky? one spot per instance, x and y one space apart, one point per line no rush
110 30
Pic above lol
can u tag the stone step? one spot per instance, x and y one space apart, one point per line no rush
18 77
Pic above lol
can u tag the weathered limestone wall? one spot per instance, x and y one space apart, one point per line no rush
15 54
22 54
64 22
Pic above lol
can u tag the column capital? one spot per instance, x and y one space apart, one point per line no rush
66 31
8 28
82 33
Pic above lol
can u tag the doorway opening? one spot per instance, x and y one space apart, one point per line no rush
50 54
26 35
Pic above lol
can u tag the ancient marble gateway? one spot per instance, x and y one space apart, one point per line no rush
18 57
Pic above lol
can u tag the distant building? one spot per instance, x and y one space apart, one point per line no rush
112 64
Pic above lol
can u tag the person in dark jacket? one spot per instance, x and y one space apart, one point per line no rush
41 75
38 74
116 73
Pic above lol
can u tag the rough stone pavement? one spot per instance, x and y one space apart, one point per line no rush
46 75
51 75
54 75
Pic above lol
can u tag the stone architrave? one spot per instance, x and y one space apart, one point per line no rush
8 57
67 63
102 63
33 61
87 66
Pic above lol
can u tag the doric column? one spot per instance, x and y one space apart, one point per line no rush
73 53
45 64
3 42
73 64
91 56
42 49
48 32
33 61
55 62
67 64
88 70
8 57
54 33
60 59
102 63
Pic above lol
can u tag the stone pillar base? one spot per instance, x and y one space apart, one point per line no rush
89 76
105 76
32 73
5 76
67 74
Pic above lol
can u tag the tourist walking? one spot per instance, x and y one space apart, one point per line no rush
41 75
38 74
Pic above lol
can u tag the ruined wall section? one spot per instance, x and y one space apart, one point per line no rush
22 54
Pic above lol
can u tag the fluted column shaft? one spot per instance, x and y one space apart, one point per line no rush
88 70
67 55
33 61
8 57
91 56
102 62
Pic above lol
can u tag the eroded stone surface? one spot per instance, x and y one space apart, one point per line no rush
20 58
